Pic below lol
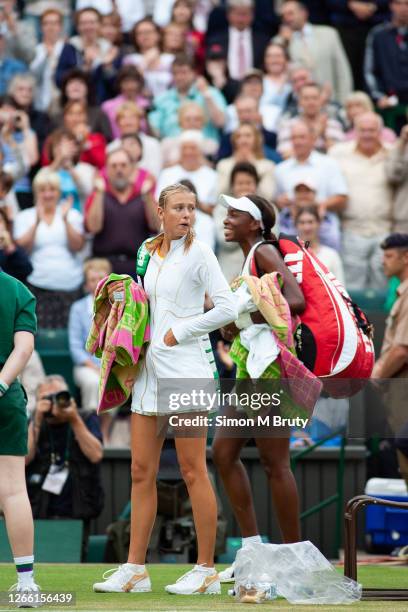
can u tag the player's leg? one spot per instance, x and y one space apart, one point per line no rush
16 506
203 578
146 446
146 449
226 456
275 457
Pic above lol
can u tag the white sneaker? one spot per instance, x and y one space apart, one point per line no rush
28 595
227 575
198 581
124 580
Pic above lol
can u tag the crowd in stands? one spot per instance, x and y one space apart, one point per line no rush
104 103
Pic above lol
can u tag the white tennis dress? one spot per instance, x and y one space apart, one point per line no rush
176 286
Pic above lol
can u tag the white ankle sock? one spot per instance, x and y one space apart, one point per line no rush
204 568
138 569
251 540
25 576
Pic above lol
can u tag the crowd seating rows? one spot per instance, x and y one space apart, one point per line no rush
103 103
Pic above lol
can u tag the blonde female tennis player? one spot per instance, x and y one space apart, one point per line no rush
180 272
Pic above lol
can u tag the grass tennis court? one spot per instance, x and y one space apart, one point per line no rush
79 578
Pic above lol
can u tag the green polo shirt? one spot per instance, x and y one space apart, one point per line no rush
17 313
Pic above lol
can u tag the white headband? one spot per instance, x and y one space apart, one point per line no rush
243 204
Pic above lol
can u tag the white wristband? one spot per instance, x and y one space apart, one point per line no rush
3 387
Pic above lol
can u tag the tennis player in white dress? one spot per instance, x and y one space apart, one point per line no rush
181 271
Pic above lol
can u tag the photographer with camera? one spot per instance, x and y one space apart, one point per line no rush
64 455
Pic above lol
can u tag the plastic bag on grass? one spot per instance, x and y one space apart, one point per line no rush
298 572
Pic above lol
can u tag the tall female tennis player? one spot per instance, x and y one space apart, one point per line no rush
180 272
248 222
18 326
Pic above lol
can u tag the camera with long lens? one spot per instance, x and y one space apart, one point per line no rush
62 400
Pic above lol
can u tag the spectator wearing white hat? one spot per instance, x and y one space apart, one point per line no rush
192 165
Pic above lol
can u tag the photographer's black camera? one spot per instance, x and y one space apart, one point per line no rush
62 400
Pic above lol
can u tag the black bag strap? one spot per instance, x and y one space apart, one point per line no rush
363 321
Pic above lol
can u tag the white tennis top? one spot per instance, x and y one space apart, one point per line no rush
176 286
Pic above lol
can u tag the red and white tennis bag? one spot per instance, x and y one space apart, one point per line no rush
334 339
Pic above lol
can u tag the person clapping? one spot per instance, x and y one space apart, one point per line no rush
53 234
